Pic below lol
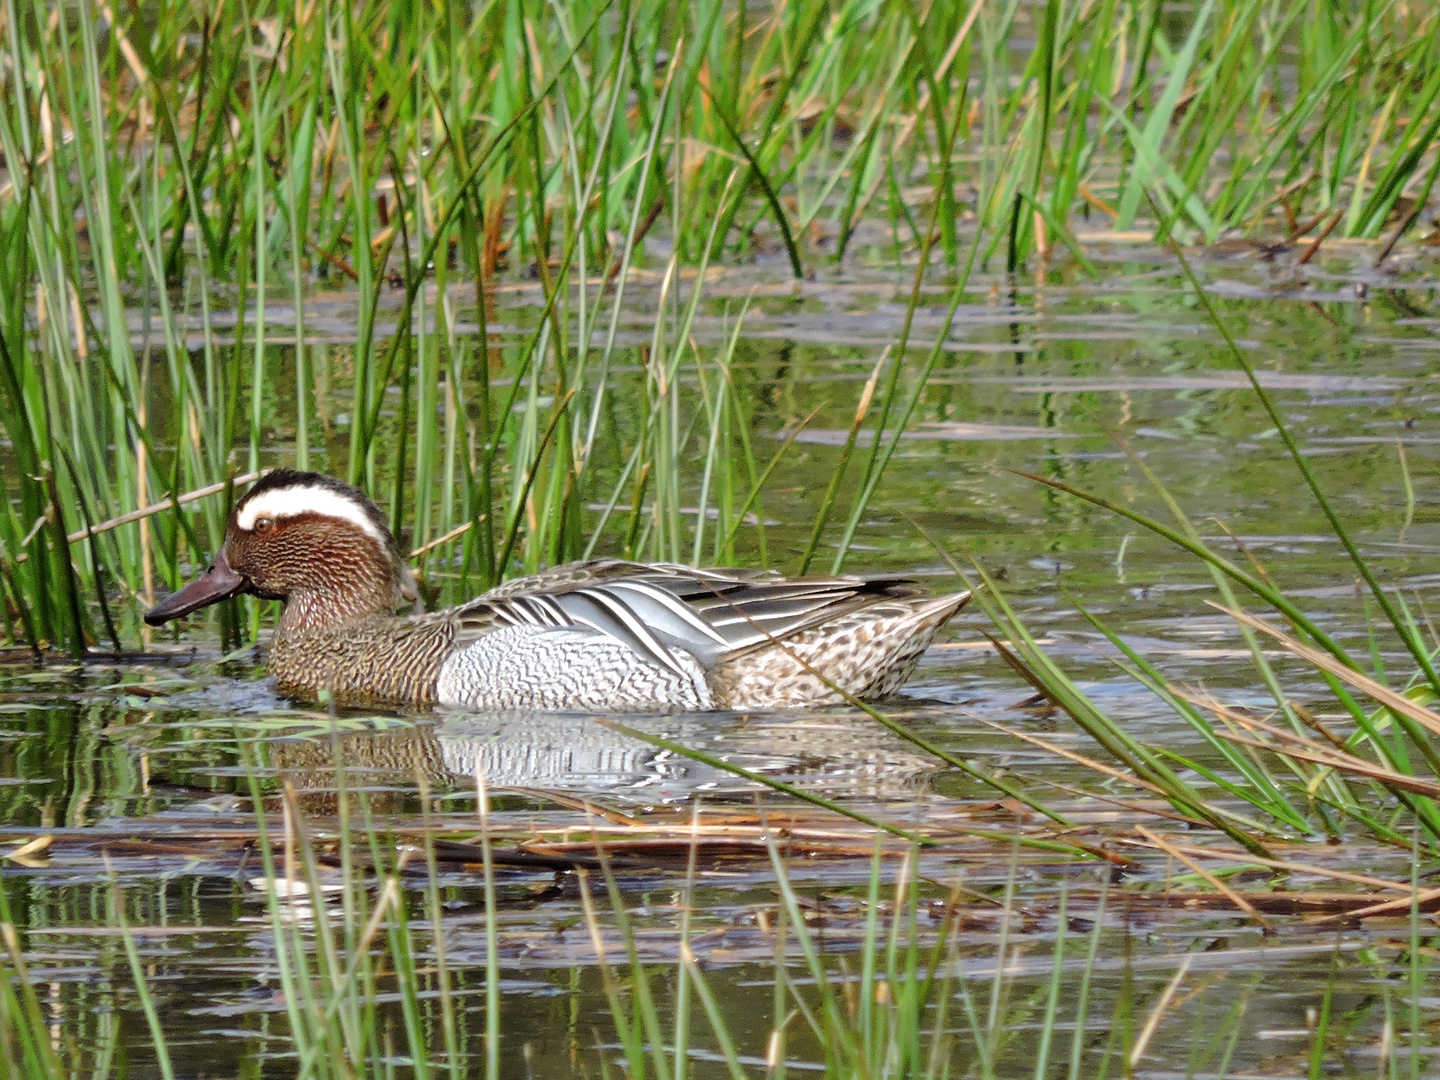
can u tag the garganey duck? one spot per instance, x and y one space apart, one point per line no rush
603 635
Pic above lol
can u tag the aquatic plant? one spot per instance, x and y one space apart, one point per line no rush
178 181
1366 752
381 942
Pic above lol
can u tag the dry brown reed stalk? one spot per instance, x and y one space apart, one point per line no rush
1289 866
1288 744
453 534
160 507
1123 775
1152 1022
1150 810
1225 890
584 806
1310 720
1391 699
1352 765
1314 245
1389 907
1305 907
143 513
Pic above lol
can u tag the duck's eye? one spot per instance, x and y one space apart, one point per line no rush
264 524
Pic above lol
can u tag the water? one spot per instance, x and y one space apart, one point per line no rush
140 773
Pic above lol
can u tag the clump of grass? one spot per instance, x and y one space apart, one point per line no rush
202 173
1368 757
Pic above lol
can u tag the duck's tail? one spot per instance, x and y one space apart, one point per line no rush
867 654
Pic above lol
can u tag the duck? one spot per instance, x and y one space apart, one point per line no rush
604 635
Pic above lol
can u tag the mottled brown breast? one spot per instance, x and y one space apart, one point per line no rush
373 660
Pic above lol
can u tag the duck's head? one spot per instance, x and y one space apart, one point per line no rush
312 541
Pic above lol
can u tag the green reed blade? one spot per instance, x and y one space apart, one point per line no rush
759 482
832 490
881 450
757 173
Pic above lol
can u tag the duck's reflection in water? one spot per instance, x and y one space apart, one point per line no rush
833 754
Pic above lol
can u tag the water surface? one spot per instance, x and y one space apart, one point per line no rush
141 772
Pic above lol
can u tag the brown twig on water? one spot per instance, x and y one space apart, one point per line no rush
1283 198
1315 244
1124 776
1216 883
1281 864
1300 230
333 259
1388 907
1400 231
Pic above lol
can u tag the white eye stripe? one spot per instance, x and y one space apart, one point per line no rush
294 501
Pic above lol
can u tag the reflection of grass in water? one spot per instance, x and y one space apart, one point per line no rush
334 958
187 166
899 974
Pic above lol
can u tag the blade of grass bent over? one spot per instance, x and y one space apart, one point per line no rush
827 504
759 174
1265 591
1032 664
1405 633
1257 656
1266 794
1397 703
1261 588
1046 676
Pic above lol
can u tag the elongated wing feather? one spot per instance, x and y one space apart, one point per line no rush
711 614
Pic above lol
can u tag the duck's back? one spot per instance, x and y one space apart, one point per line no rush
622 637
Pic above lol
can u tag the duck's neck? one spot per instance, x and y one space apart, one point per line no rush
319 610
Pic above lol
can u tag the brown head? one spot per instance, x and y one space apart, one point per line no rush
312 541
